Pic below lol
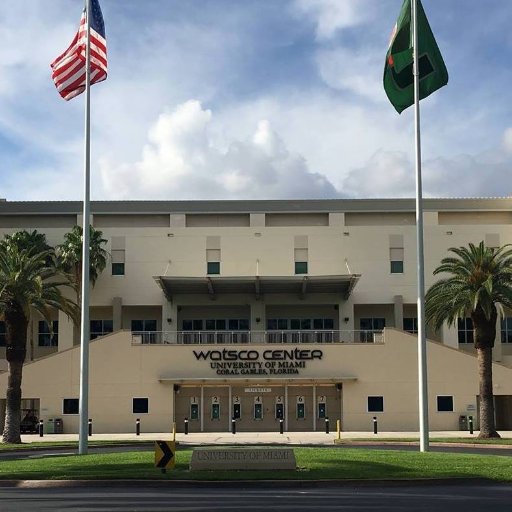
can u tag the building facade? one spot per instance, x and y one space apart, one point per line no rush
261 311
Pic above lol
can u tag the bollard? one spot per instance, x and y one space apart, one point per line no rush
326 425
90 426
137 427
41 427
233 426
471 424
186 426
338 429
375 424
281 426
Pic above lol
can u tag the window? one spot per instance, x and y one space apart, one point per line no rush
397 267
465 327
301 267
47 338
445 403
213 261
300 257
70 406
147 328
213 267
3 336
118 258
100 328
506 330
369 326
140 406
396 257
410 325
375 404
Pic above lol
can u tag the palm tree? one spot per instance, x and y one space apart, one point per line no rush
480 285
26 282
34 243
69 256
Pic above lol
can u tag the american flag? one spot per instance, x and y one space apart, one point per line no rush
68 70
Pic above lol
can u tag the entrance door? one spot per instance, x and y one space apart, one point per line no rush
503 411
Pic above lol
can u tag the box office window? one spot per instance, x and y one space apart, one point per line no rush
445 403
375 404
140 406
3 335
301 408
194 408
70 406
48 337
258 408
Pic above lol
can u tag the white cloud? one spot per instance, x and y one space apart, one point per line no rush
333 15
356 70
181 160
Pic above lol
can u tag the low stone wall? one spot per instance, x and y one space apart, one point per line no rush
242 458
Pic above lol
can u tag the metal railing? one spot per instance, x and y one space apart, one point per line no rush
245 337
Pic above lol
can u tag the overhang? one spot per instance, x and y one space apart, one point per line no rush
258 285
260 382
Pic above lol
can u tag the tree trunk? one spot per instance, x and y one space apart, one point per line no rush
12 428
487 424
16 349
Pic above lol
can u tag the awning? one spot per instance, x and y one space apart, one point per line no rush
256 381
220 285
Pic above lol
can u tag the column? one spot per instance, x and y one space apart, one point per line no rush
169 320
65 332
286 407
230 407
258 321
398 310
450 336
314 407
117 313
346 320
201 415
497 351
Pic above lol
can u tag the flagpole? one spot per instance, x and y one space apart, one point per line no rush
422 342
84 331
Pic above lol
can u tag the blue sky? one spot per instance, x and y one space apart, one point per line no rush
234 99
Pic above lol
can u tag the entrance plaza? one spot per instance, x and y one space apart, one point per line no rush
261 312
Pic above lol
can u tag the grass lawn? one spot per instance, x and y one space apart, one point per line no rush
313 463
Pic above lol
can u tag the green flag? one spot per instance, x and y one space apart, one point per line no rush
398 78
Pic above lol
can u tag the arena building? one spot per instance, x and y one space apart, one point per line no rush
298 310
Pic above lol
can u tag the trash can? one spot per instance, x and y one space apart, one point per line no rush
463 423
49 426
58 426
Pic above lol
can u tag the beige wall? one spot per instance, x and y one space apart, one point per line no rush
338 243
120 371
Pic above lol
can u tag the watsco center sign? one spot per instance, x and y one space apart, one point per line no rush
258 362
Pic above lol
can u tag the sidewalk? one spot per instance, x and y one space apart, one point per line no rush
292 438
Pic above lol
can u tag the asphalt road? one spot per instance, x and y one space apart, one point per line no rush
207 498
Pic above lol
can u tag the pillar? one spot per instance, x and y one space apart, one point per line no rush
398 309
450 336
66 332
117 313
346 320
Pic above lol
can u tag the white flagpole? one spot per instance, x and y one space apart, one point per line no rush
84 331
422 342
